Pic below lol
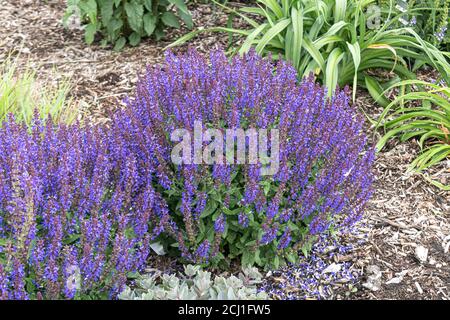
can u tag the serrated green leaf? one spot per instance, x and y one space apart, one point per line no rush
106 10
135 13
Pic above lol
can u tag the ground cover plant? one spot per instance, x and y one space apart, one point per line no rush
119 22
196 284
80 206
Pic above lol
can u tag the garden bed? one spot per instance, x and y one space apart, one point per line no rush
405 213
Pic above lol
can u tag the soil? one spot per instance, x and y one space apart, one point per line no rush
405 215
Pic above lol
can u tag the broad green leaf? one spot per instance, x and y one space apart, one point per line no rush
89 33
120 43
171 20
187 18
149 23
89 7
135 13
134 39
106 10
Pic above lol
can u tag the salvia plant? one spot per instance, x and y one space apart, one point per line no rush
339 41
80 206
425 116
195 284
122 21
67 228
213 213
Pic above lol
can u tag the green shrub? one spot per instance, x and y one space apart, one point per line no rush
428 122
21 93
338 41
196 284
119 21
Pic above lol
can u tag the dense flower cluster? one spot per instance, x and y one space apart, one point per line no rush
324 174
70 223
80 205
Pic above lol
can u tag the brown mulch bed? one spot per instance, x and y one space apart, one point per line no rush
406 216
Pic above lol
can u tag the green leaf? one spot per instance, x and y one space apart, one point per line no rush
89 7
120 43
89 33
276 262
180 5
135 12
187 18
332 70
113 26
271 33
355 50
149 23
148 5
251 38
71 239
297 43
134 39
171 20
210 208
248 259
376 91
106 10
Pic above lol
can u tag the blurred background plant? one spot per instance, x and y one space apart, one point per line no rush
122 21
429 18
21 93
339 41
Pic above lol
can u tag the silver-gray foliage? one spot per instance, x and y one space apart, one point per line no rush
196 284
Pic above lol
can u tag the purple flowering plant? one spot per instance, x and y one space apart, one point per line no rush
67 227
213 213
80 205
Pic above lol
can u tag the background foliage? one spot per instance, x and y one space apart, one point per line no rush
423 115
338 41
122 21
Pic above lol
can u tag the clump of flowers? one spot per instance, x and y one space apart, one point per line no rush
211 213
70 225
81 205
